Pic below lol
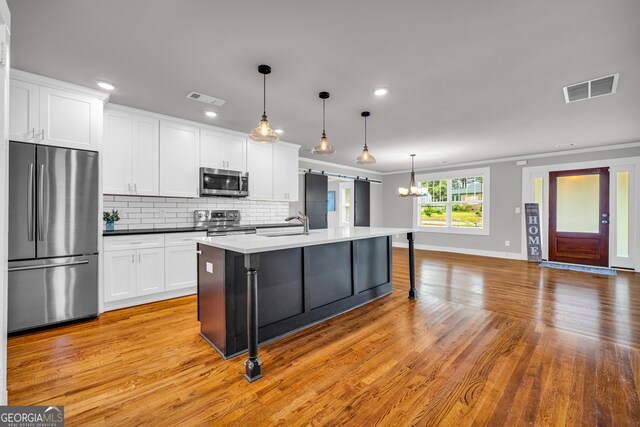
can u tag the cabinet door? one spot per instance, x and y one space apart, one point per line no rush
180 263
285 172
260 168
179 159
211 150
116 163
150 271
23 111
146 142
234 149
70 119
119 275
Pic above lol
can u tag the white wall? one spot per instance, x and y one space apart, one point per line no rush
5 21
166 212
506 195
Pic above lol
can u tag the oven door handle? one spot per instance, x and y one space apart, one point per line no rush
239 182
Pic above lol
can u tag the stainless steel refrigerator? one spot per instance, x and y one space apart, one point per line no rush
53 235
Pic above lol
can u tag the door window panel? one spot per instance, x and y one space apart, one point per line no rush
578 204
622 220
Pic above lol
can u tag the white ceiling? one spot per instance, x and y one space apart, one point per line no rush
468 80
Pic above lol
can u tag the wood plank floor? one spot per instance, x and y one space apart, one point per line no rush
490 342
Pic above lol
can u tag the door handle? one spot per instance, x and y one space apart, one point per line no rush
30 204
135 188
41 203
139 257
604 221
39 267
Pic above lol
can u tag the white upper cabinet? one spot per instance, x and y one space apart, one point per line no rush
146 145
222 150
131 157
23 111
117 160
260 168
179 159
69 119
46 111
285 172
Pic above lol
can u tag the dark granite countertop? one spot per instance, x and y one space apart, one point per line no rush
185 229
152 231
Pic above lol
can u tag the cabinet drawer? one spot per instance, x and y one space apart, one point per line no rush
119 243
181 239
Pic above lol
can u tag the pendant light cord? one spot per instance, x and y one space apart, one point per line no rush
365 132
323 110
264 94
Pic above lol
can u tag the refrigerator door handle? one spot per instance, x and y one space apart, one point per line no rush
41 202
30 204
39 267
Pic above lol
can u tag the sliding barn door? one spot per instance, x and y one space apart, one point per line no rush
362 202
316 189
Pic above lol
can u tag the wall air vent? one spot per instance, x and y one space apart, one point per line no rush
201 97
591 89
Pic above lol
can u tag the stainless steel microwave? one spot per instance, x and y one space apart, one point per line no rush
224 183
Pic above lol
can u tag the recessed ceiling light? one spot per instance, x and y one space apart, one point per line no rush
105 85
279 131
381 91
211 113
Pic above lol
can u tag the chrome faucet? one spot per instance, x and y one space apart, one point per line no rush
304 220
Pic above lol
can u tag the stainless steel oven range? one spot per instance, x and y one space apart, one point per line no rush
221 222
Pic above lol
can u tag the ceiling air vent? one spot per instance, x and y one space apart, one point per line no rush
591 89
201 97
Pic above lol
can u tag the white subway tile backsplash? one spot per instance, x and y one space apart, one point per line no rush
170 212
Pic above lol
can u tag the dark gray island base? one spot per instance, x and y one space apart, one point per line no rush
298 287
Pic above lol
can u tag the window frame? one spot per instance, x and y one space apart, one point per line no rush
485 173
343 219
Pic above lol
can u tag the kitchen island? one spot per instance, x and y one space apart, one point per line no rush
304 280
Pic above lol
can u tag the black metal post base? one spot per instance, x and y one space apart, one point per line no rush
253 369
413 293
253 365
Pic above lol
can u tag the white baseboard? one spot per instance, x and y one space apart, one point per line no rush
492 254
4 398
146 299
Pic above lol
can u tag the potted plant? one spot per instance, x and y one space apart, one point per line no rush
110 218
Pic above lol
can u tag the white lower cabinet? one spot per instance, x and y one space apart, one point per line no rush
148 267
150 271
180 267
119 275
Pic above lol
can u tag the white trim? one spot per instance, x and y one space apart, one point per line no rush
477 252
58 84
528 173
146 299
322 162
522 157
5 74
486 202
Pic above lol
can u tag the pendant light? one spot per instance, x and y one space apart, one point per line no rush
365 158
324 147
263 133
413 190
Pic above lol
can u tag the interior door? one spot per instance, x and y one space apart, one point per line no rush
315 202
362 202
579 216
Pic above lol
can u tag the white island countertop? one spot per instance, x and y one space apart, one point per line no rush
256 243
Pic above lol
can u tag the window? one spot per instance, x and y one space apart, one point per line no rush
345 203
454 202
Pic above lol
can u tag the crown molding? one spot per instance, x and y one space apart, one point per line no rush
523 157
57 84
322 162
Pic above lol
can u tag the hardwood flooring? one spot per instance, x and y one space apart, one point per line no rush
489 342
